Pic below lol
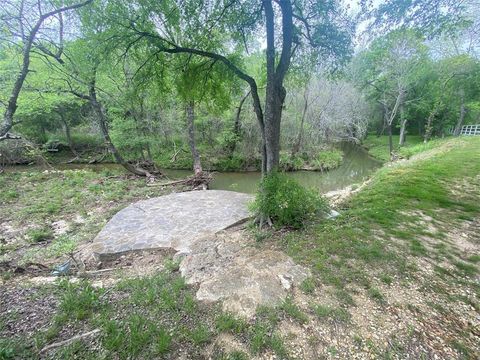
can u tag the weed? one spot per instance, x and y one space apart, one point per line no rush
308 285
79 301
324 311
292 310
228 322
375 294
39 235
200 334
466 269
387 279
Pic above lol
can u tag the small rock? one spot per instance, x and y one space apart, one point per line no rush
285 280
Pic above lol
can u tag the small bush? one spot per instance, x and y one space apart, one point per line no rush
286 202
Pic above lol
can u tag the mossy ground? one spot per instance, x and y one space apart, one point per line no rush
395 276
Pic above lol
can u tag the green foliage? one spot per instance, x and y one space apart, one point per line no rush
39 235
308 285
286 202
291 163
328 159
376 295
378 146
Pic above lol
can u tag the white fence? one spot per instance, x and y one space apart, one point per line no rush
470 130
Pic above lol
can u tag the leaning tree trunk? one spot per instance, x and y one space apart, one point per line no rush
237 125
403 126
390 139
27 41
102 121
461 118
190 118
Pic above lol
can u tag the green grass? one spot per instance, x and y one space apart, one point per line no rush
308 285
380 232
229 323
79 301
378 145
292 310
386 208
42 198
39 235
330 312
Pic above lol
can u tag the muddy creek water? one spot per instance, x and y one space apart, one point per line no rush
356 166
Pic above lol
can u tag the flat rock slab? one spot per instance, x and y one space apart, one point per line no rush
227 267
171 221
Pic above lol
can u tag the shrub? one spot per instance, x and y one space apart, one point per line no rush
286 202
291 163
327 160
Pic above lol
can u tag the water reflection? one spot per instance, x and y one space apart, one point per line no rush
356 166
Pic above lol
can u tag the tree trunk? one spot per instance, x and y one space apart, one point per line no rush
71 145
275 92
403 125
237 125
190 118
429 126
7 123
273 117
102 121
298 143
390 140
461 118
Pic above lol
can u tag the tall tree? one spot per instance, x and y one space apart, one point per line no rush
212 29
24 21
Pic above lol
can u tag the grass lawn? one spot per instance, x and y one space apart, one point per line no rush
378 146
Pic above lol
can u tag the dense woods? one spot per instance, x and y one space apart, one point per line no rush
236 85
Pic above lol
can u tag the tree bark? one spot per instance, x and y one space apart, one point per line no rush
390 139
461 118
429 126
275 92
237 124
403 126
190 118
102 121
